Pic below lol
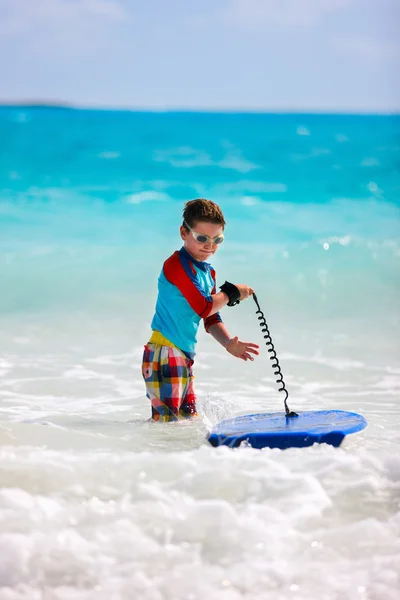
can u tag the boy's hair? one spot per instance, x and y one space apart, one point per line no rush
202 210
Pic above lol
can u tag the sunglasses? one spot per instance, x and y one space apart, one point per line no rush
202 238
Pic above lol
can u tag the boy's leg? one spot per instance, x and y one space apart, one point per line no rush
188 406
177 390
169 382
153 381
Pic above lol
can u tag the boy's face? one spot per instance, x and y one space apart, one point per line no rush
201 251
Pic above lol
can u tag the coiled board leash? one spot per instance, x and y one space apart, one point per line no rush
273 357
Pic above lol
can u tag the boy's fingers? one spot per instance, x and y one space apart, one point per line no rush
251 348
253 351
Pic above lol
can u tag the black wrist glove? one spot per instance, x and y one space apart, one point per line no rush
232 292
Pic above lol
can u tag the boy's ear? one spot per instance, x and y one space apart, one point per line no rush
184 232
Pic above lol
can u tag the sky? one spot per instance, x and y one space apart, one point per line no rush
263 55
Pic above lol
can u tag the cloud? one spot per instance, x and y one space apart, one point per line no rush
283 12
21 16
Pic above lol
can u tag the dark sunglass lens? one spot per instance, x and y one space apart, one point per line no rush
218 240
202 239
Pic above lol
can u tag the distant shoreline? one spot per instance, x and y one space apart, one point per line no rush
49 104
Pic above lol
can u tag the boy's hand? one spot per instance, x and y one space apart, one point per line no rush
243 350
245 290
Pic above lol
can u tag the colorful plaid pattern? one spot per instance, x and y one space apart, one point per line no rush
168 377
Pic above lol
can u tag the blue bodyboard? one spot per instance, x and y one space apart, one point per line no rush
275 430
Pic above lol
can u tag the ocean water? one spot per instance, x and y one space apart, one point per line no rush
95 502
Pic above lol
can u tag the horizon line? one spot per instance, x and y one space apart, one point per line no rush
213 110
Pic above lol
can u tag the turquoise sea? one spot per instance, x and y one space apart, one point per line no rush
97 503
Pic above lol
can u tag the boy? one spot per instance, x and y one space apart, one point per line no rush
186 294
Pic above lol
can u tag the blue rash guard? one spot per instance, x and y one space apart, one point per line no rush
185 287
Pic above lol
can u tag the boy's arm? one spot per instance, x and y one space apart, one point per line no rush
219 333
221 299
179 272
243 350
218 301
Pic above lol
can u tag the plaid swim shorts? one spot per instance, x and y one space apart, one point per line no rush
167 373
